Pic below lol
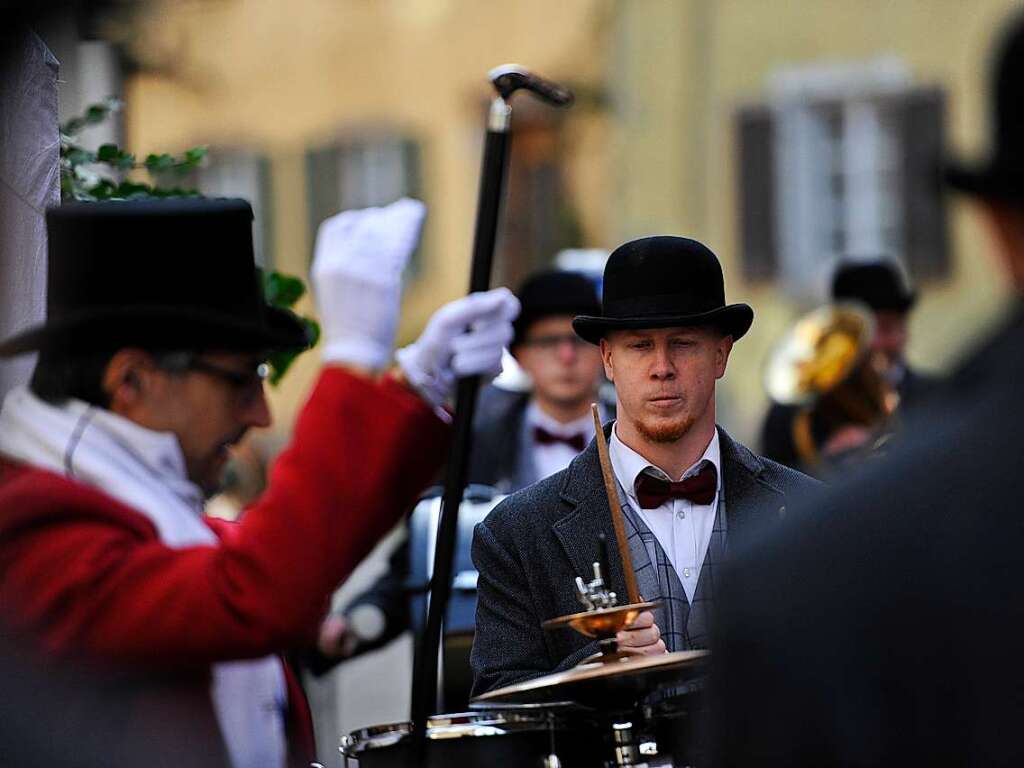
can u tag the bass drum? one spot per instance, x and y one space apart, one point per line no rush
484 738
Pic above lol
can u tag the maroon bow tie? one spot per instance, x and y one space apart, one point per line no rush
577 442
700 488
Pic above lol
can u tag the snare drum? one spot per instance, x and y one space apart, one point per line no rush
484 738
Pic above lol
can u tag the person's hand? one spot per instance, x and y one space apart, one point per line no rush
357 280
463 338
641 638
335 641
851 437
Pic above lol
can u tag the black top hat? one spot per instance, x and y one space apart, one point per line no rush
1002 174
662 282
162 274
549 293
878 283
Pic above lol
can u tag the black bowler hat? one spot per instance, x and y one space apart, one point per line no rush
663 282
1001 175
879 284
550 293
161 274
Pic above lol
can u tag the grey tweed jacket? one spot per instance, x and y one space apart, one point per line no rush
532 546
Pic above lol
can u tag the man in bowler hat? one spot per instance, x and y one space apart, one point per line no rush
884 625
541 432
879 286
150 367
685 487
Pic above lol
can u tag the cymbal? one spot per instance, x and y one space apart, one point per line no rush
599 683
604 622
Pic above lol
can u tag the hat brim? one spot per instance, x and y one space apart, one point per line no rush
734 319
163 328
990 180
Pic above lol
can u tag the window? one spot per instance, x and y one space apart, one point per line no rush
841 162
245 174
361 172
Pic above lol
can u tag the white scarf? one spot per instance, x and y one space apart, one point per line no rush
146 471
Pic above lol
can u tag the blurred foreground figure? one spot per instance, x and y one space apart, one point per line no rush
150 369
829 439
885 626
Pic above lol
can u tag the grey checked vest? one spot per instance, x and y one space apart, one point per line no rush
684 626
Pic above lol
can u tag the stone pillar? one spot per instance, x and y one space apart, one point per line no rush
29 183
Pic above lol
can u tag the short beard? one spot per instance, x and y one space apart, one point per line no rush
665 433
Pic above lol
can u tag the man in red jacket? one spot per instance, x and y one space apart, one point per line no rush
151 366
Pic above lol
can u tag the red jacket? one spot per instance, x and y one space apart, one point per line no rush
88 578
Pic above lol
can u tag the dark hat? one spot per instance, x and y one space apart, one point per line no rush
171 273
879 283
549 293
662 282
1001 175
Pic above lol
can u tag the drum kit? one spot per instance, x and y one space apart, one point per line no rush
615 710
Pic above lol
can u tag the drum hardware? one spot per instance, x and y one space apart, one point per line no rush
615 693
513 735
603 618
824 365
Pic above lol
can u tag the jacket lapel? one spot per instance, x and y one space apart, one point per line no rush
586 515
748 496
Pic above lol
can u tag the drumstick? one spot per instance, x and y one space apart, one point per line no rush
616 510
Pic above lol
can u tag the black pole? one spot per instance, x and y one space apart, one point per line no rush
506 81
424 689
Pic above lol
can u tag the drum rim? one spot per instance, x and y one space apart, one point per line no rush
487 723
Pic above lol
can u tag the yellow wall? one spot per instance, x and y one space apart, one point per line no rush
689 64
281 77
284 76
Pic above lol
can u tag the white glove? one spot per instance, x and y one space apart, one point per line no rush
357 279
463 338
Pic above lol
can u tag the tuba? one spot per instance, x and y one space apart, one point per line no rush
825 367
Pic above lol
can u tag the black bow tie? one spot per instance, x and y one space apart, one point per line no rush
577 441
700 488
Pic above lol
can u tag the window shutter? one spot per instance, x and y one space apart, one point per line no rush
323 188
925 224
756 187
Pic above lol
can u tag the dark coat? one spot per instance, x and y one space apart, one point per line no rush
891 628
497 448
532 546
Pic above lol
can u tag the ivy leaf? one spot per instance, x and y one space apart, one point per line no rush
159 163
194 157
113 155
79 156
282 290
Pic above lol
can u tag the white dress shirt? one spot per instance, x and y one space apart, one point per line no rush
548 459
682 528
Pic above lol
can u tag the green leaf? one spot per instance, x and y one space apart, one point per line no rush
159 163
194 156
282 290
113 155
79 156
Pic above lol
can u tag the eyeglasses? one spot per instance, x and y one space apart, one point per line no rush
553 342
247 385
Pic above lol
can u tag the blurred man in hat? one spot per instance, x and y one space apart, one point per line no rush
544 430
880 286
538 434
883 626
151 366
665 334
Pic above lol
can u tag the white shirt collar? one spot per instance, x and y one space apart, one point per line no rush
628 464
535 417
